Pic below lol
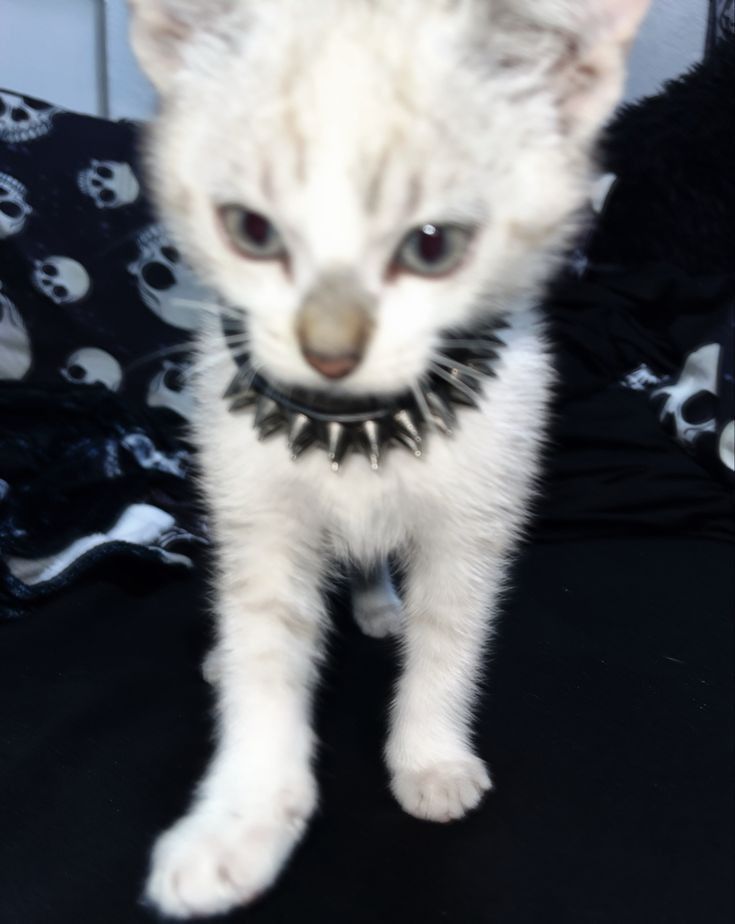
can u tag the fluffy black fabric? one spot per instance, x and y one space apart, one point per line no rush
676 155
76 459
659 285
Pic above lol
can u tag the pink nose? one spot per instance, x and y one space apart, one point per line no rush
332 367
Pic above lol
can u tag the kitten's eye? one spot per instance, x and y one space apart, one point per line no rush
251 233
433 250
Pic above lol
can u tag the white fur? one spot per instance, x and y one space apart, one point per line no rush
459 110
375 604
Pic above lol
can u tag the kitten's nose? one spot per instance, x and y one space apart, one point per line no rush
334 324
332 367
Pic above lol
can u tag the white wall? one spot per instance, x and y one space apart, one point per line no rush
671 39
49 49
55 49
130 93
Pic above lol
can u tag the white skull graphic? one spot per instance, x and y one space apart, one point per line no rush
24 119
145 453
166 283
14 209
600 192
15 347
641 378
91 366
109 183
691 399
61 279
169 388
726 446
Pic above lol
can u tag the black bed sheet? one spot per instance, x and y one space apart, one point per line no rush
607 722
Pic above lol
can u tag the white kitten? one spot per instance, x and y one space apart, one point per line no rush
363 177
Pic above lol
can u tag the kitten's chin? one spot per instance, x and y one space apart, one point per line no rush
362 383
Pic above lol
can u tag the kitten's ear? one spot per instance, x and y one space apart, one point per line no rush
579 46
161 28
591 72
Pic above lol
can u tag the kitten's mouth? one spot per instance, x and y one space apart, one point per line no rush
340 423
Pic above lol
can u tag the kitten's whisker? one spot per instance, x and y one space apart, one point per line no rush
198 303
205 363
215 308
455 364
251 375
232 340
210 360
160 354
455 382
423 406
188 374
247 383
237 339
469 344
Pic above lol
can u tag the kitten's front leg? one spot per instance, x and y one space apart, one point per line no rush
256 798
452 584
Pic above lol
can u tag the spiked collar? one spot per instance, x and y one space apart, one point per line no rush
339 424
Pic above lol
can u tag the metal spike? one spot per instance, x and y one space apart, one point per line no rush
239 383
408 442
268 417
439 418
406 431
370 434
301 434
271 426
244 400
442 411
337 444
265 410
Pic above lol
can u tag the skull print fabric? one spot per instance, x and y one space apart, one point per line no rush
23 119
93 291
96 310
61 279
690 400
165 283
110 185
14 208
15 348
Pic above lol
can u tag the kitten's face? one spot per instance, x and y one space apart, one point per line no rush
362 180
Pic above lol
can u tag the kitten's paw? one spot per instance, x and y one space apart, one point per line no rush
444 792
213 860
378 617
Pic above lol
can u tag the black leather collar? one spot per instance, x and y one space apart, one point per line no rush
338 424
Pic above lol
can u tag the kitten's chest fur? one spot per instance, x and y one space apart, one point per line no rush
480 472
